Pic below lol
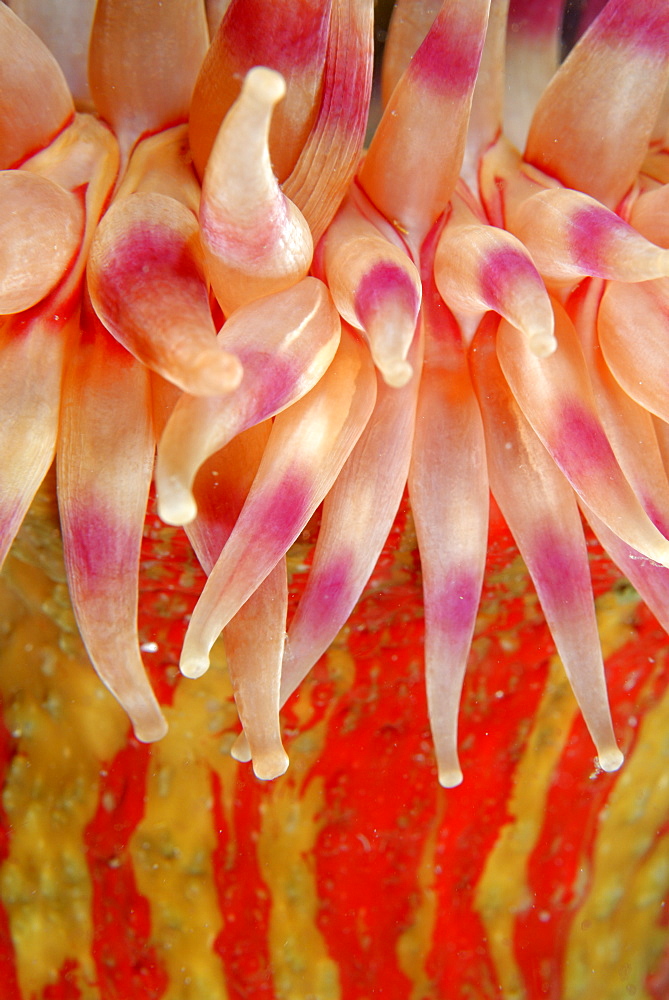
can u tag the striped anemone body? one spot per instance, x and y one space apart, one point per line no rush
169 871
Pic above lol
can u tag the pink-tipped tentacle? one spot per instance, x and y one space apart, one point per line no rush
306 451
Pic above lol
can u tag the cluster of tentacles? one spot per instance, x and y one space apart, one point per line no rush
201 258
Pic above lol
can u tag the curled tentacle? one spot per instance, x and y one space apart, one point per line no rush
293 41
375 288
479 267
165 322
255 239
285 343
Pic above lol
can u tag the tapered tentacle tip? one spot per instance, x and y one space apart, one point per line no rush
149 726
176 505
395 371
609 758
193 665
270 764
542 344
450 776
213 373
241 750
265 84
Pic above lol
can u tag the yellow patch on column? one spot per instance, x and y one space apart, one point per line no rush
502 892
289 830
65 724
620 932
415 944
172 846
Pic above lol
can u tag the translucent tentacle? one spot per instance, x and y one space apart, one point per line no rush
629 427
414 159
134 51
255 636
308 446
541 511
375 288
327 163
293 41
556 397
409 24
285 343
632 326
487 111
166 323
35 212
649 579
33 352
448 485
358 514
532 57
34 345
593 122
65 29
479 267
36 101
570 235
105 458
650 215
255 240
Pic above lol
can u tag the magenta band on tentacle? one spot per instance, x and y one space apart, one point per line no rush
409 24
414 159
307 448
594 120
375 287
629 427
383 280
358 514
166 323
105 460
556 397
331 153
448 486
294 42
478 267
541 511
255 636
285 343
571 236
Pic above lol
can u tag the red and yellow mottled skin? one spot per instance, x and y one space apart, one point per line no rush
170 871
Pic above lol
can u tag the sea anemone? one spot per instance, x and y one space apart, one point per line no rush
294 322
